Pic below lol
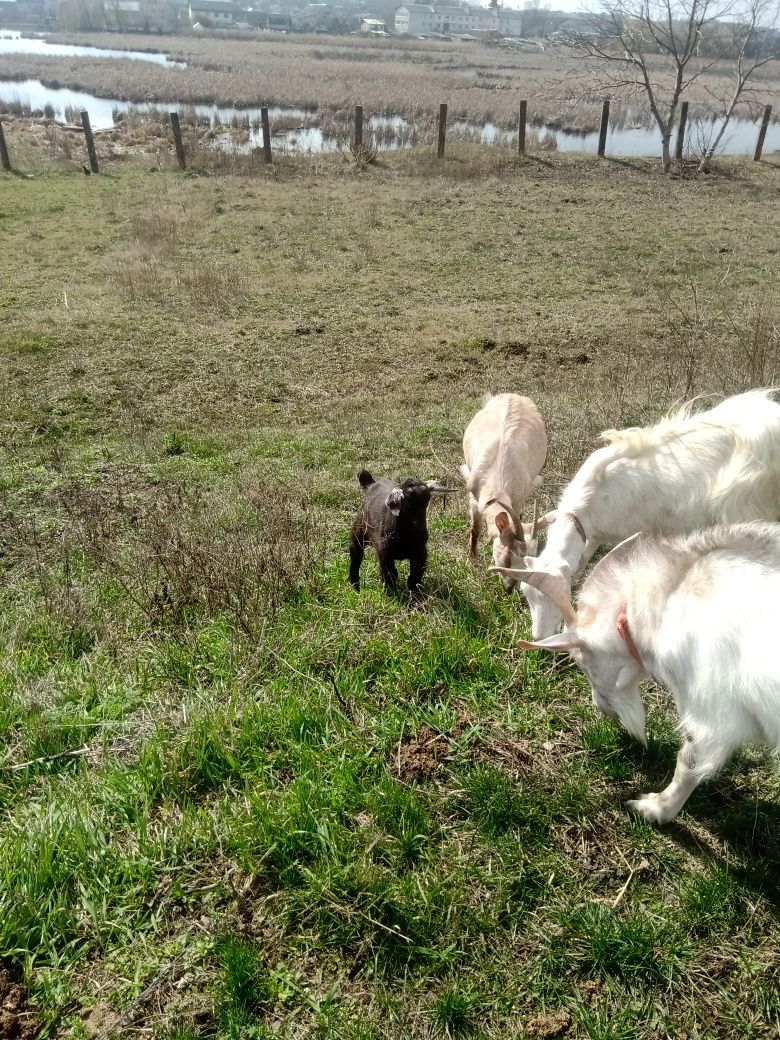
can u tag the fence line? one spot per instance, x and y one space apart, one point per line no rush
678 147
267 157
442 131
176 127
521 127
603 128
4 156
762 133
91 152
358 127
86 129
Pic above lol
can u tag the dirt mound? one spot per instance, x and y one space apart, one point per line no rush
16 1022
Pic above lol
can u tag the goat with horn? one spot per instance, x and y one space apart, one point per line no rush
687 472
697 613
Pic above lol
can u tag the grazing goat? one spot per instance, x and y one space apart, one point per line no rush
688 472
393 519
505 446
698 613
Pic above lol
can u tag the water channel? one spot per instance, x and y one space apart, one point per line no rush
13 42
308 137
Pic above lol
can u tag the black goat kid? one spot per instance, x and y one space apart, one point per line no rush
393 519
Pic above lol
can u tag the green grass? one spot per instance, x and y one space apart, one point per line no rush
240 800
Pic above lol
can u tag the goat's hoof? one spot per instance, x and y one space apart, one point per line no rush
650 808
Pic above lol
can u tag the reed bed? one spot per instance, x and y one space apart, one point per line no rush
330 75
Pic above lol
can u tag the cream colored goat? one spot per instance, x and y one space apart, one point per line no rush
505 446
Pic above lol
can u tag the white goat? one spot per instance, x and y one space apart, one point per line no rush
698 613
688 472
505 446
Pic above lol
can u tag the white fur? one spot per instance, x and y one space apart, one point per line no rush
505 446
689 471
702 612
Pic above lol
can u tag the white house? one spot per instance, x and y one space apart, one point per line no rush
418 19
213 12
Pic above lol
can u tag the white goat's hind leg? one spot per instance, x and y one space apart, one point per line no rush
664 806
476 526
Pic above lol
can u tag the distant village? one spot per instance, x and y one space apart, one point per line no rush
464 21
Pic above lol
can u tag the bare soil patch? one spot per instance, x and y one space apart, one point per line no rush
16 1022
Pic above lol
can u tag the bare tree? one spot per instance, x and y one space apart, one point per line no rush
750 42
660 47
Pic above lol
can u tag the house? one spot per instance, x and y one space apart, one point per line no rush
319 17
421 19
372 25
213 12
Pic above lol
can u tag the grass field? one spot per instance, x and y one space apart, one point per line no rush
240 800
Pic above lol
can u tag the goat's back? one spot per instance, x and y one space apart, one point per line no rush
719 629
688 471
505 447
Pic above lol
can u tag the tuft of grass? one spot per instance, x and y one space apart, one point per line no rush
456 1011
245 989
598 941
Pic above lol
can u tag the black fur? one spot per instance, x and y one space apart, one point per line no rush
394 536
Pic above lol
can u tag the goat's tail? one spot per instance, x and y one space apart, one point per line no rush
365 479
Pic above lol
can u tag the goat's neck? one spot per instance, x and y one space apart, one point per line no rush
645 597
564 542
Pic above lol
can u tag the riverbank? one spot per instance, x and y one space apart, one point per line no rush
216 138
389 78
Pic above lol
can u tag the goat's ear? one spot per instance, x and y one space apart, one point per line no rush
504 524
394 500
437 488
536 528
568 640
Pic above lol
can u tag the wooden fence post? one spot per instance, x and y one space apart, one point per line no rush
604 127
4 156
93 163
358 127
176 127
442 130
762 133
521 127
266 135
680 142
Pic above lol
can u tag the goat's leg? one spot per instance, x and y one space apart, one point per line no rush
388 572
357 550
476 526
417 565
698 759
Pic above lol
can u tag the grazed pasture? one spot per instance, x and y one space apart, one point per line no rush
409 78
240 800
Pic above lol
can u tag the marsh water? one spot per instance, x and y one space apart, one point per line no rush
307 136
13 42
